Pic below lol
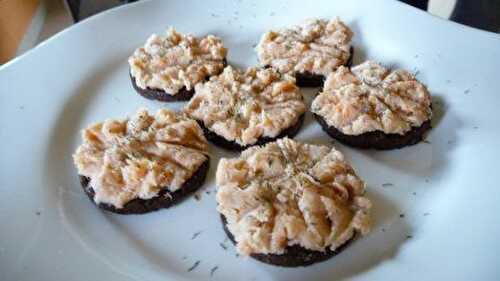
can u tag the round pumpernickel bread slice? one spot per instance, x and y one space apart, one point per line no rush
294 256
239 109
167 66
377 139
370 106
290 203
143 162
308 79
214 138
309 50
164 199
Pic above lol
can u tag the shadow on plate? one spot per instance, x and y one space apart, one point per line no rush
427 159
380 245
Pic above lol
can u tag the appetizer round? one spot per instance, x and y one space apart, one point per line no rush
291 204
143 163
369 106
167 67
310 50
239 109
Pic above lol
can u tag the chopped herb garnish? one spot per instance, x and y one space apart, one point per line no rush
197 197
426 214
212 271
401 215
223 246
196 234
387 184
195 265
409 236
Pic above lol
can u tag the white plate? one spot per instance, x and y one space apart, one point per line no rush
447 189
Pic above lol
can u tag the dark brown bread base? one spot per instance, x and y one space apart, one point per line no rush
294 255
232 145
308 79
160 95
164 199
377 139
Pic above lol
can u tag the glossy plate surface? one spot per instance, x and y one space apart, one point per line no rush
436 204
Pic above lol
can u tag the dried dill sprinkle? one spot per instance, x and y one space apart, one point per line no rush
196 234
195 265
197 197
387 184
212 271
401 215
409 236
223 246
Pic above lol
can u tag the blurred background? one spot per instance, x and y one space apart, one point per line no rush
27 23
